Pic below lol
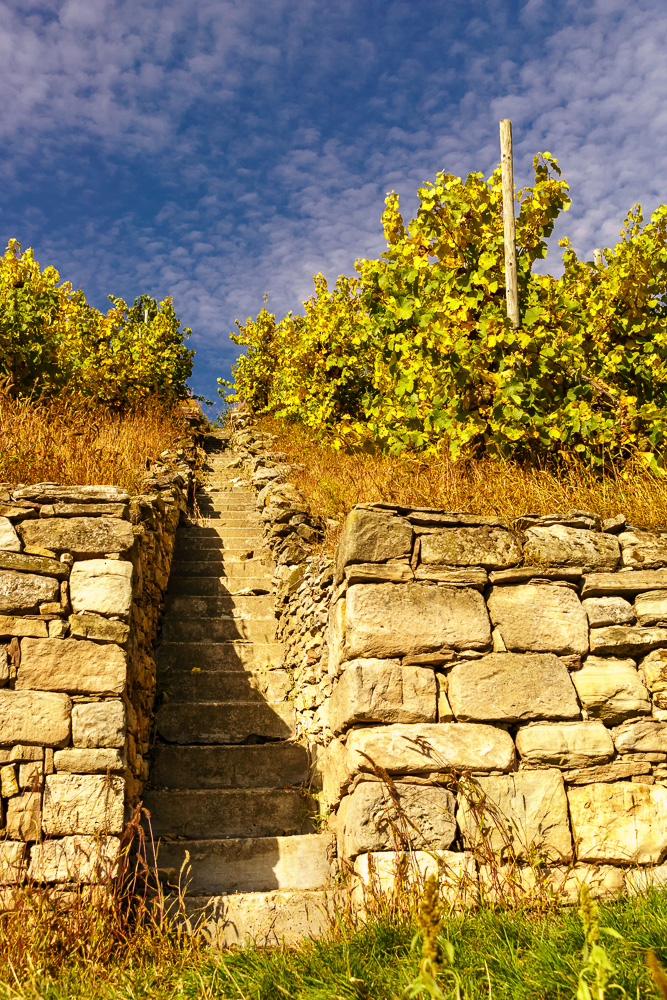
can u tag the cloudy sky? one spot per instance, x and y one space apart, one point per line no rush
217 150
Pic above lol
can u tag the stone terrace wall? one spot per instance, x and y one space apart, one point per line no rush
82 576
505 678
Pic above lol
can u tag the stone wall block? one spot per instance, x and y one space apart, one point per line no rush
83 803
385 873
79 858
99 724
9 540
490 548
22 593
539 618
510 687
385 620
641 736
95 761
651 607
372 536
611 689
626 640
559 545
653 671
34 717
623 584
523 815
565 744
77 666
24 816
382 691
608 611
103 586
82 536
621 823
13 862
643 549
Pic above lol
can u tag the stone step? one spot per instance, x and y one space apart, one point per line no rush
220 722
247 567
250 864
218 629
227 523
281 918
228 553
264 765
212 685
219 656
219 586
215 813
241 505
196 606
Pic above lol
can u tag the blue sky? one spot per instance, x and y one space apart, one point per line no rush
216 150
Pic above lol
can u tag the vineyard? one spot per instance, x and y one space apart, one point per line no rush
416 348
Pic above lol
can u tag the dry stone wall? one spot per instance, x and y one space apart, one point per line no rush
83 571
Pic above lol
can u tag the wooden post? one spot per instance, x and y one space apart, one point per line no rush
597 258
507 167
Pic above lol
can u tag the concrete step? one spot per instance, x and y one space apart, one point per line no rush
194 606
219 656
264 765
219 586
228 553
213 685
250 864
219 722
257 566
207 814
277 919
218 629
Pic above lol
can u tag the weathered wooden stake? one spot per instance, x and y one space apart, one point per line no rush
597 258
507 166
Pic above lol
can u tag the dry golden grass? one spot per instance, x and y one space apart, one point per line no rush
333 483
81 444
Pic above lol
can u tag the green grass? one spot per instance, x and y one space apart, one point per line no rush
515 955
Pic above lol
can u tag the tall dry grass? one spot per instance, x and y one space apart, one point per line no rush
81 443
334 482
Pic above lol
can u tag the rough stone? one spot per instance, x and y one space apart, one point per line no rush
383 874
561 883
615 771
82 536
565 744
103 586
639 881
525 815
623 584
74 665
528 574
643 549
23 562
51 493
78 858
559 545
34 717
622 823
23 593
539 618
619 640
372 536
474 577
83 803
430 748
90 509
370 820
91 626
382 691
509 687
8 784
12 861
98 724
651 607
24 816
641 736
389 572
333 767
653 671
611 689
97 761
4 667
384 620
22 627
9 540
490 548
608 611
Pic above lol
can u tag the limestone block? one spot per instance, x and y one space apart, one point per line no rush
643 549
473 577
22 593
21 753
74 665
83 803
90 626
334 768
370 819
8 784
559 545
103 586
372 536
389 572
651 607
491 548
98 724
626 640
97 761
383 874
430 748
540 618
639 881
23 562
51 493
509 687
382 691
565 744
22 627
523 815
608 611
625 584
72 509
78 858
34 717
617 770
562 883
621 823
82 536
4 667
9 540
641 736
611 689
31 776
12 861
24 816
653 671
385 620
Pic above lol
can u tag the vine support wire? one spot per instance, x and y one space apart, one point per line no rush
507 171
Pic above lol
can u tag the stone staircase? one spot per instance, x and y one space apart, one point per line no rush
226 782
